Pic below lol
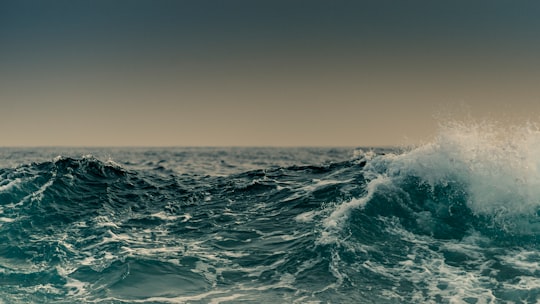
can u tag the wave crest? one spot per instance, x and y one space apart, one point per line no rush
480 172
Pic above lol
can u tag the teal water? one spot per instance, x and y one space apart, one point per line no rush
441 223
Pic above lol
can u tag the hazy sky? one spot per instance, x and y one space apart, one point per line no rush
260 73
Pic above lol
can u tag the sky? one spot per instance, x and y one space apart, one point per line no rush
261 73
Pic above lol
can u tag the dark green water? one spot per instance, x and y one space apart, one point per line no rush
267 225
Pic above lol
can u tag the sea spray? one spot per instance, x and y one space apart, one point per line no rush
497 170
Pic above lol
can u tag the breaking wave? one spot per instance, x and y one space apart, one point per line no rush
455 220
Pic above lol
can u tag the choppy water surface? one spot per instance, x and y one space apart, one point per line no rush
453 221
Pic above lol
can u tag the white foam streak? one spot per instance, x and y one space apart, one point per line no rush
38 195
179 299
10 185
341 213
527 261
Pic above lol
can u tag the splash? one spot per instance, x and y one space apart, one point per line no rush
497 168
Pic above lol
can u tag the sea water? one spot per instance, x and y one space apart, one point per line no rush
455 220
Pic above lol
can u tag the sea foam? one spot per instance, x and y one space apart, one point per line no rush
496 166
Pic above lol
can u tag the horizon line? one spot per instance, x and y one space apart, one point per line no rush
194 146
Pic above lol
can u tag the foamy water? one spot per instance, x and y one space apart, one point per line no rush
455 220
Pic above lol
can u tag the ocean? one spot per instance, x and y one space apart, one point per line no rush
455 220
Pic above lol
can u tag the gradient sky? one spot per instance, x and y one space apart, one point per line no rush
261 73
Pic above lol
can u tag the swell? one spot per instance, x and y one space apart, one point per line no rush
383 226
81 228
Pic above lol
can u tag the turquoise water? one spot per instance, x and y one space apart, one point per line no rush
453 221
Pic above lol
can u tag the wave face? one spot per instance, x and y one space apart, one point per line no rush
453 221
